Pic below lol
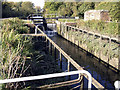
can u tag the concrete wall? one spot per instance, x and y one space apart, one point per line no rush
97 15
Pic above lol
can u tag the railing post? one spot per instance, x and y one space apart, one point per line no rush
100 47
109 50
36 27
68 65
51 49
55 52
66 31
60 28
82 84
47 46
60 60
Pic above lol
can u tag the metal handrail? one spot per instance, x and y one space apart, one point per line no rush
50 76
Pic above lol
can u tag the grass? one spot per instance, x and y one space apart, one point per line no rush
14 50
95 45
67 20
104 28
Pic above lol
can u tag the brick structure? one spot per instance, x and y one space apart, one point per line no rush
97 15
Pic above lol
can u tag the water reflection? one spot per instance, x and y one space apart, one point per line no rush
99 71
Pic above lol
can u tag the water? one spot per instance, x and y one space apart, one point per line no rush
99 71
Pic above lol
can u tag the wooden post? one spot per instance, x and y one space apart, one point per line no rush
82 83
55 52
51 49
60 28
71 34
100 47
119 56
60 60
47 49
66 31
109 50
82 36
49 46
68 65
69 77
36 27
46 45
87 40
77 38
93 44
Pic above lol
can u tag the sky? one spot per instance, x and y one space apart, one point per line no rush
36 2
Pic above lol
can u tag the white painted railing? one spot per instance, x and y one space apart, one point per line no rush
50 76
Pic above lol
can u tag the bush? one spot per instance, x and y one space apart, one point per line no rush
16 24
107 28
112 7
14 50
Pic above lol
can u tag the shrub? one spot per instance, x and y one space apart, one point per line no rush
16 24
109 28
14 50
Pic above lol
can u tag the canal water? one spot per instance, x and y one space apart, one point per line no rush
98 70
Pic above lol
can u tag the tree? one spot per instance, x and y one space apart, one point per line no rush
27 8
85 7
17 9
115 12
112 7
52 7
6 9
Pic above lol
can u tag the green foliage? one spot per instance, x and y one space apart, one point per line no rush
52 7
94 44
107 28
27 8
85 7
16 24
79 8
115 12
14 50
68 8
17 9
64 11
112 7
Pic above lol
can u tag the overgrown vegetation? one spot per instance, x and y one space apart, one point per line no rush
104 28
79 8
20 55
112 7
17 9
14 51
93 44
15 24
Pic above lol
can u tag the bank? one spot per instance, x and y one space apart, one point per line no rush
103 47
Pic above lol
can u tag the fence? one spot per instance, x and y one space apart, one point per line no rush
64 30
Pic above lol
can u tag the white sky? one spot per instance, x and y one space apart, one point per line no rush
36 2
